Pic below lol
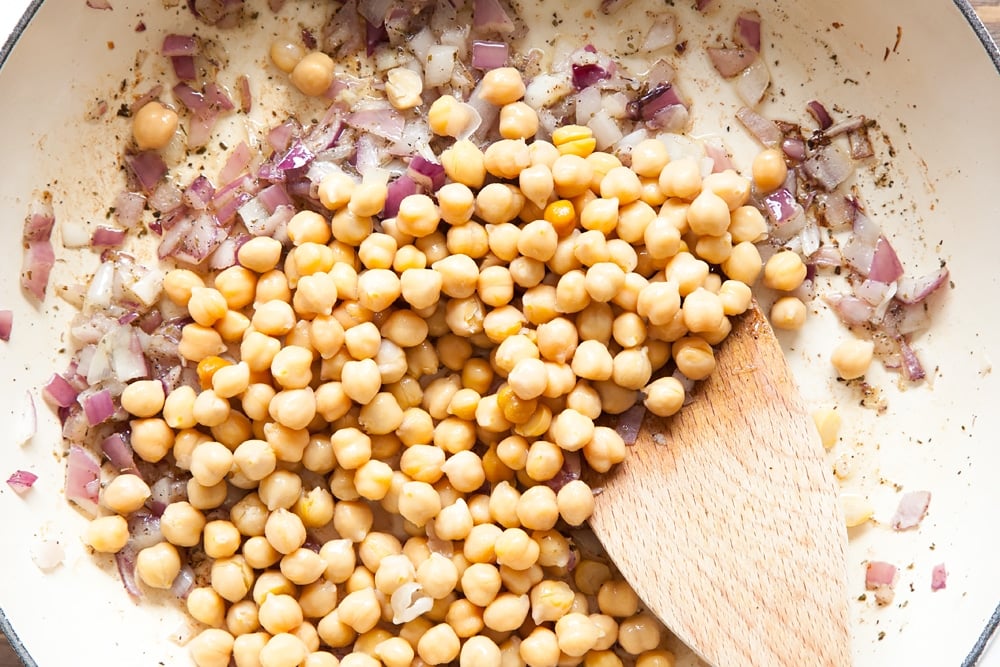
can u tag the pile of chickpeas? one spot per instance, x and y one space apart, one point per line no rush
394 396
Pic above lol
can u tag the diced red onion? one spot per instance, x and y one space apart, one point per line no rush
236 163
753 82
192 239
128 208
429 175
747 30
850 309
794 148
127 358
148 168
27 421
21 481
274 196
879 573
439 66
915 290
376 34
39 222
766 131
860 144
184 68
221 13
6 322
911 511
99 4
39 258
721 160
119 453
939 577
588 74
630 423
183 582
885 266
98 407
662 34
125 560
780 206
296 157
570 471
399 189
489 55
385 123
83 478
607 131
844 126
225 255
107 237
199 194
658 98
59 391
702 5
874 292
828 167
912 367
819 112
489 16
730 61
179 45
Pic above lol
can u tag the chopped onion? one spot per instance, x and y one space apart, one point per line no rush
489 55
939 577
107 237
819 112
21 481
747 30
630 423
99 4
119 453
911 511
912 367
429 175
439 65
98 407
656 100
48 554
607 131
179 45
409 601
39 256
588 74
662 34
860 144
399 189
59 391
6 322
183 582
236 163
885 266
83 479
753 82
764 130
915 290
148 168
125 560
730 61
383 122
128 208
878 574
850 309
490 16
27 421
374 11
828 167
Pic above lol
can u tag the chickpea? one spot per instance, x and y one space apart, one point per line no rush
284 649
107 534
285 54
154 126
360 610
769 170
852 357
788 313
212 647
125 493
403 88
784 271
507 612
157 566
313 75
743 263
747 224
639 633
285 531
665 396
502 86
681 178
507 158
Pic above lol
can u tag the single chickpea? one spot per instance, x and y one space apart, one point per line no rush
154 126
571 175
639 633
784 271
665 396
286 54
575 501
449 117
789 313
480 651
681 179
143 398
507 612
507 158
403 88
284 649
107 534
152 439
360 610
157 566
852 357
125 493
769 170
221 539
747 224
649 157
313 75
285 531
212 647
463 162
744 263
518 121
502 86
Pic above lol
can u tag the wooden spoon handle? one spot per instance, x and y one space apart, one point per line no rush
725 517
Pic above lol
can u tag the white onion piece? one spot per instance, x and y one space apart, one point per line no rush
607 131
546 89
409 601
662 34
47 554
99 293
27 421
74 233
148 287
588 103
616 104
421 43
439 65
753 82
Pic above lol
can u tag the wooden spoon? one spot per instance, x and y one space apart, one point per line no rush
725 518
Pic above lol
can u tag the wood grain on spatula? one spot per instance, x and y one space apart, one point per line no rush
725 517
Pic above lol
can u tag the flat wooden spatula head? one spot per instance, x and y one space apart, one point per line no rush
725 517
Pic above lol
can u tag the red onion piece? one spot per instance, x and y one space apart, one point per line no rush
236 163
490 16
794 148
911 511
376 35
588 74
429 175
747 30
819 112
148 168
179 45
21 480
630 422
27 421
107 237
119 453
127 357
274 196
570 471
766 131
374 11
221 13
912 368
128 208
612 6
489 55
781 206
83 478
199 194
399 189
6 322
879 573
653 102
730 62
192 239
184 68
915 290
59 391
183 582
382 122
702 5
39 222
885 267
125 560
850 309
939 577
828 167
39 258
296 157
860 144
98 407
99 4
721 160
